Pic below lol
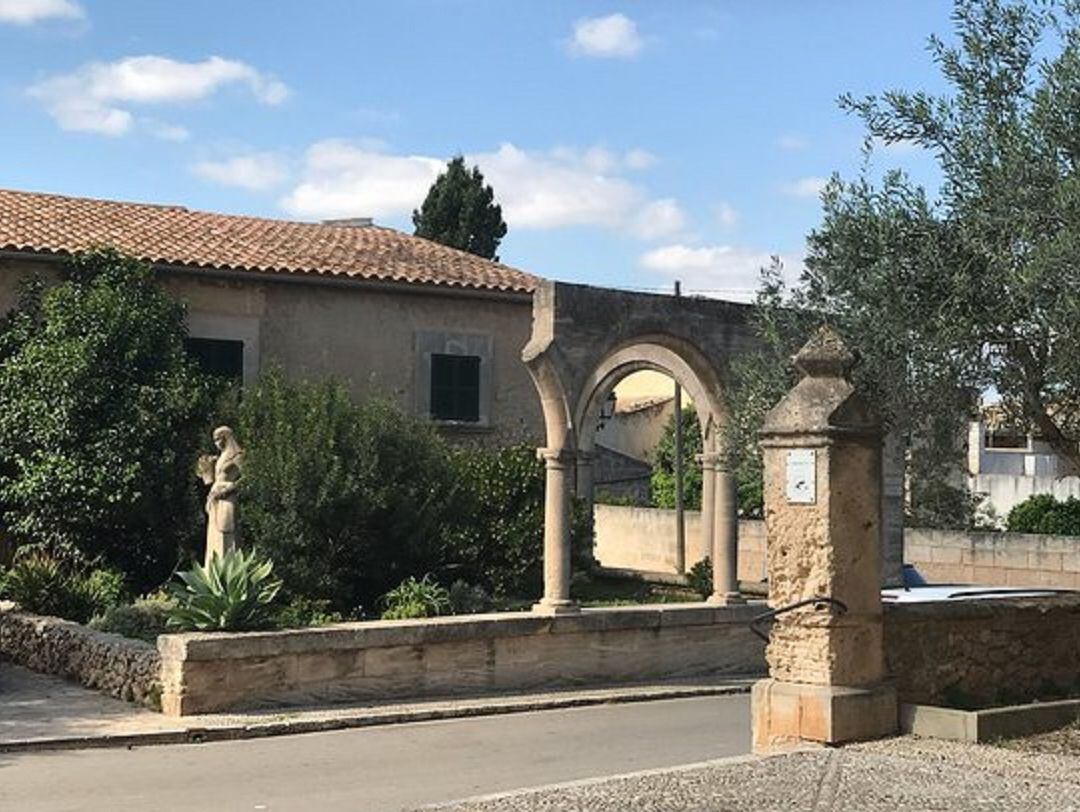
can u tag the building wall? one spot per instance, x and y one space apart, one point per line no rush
372 338
636 433
994 559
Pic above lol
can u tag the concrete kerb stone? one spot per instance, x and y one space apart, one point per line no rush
315 721
987 725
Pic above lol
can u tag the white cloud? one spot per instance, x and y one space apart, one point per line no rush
28 12
96 97
613 36
639 159
806 187
255 172
729 272
791 142
902 147
341 179
557 188
660 218
166 131
726 215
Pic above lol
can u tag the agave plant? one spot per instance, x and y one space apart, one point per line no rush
233 593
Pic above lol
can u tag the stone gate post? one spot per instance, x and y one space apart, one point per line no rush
822 455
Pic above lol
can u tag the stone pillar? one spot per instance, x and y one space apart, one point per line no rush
556 600
586 490
586 475
725 546
708 502
822 454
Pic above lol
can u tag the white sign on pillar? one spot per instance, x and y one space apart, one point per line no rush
802 476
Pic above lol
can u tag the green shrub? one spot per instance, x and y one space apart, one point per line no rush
663 477
348 499
415 599
234 593
699 577
302 612
495 537
1045 514
467 599
60 583
144 619
100 416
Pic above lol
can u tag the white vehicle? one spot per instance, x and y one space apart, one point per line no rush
917 590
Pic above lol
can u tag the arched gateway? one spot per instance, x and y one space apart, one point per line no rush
584 341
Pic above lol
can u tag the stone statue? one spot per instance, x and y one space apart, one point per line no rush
221 473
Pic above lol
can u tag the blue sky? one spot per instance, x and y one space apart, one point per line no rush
629 143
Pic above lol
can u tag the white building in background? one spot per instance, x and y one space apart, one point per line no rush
1006 467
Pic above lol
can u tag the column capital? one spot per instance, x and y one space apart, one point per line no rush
556 457
714 460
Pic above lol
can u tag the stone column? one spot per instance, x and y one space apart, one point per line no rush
586 474
822 454
556 600
586 489
725 546
708 502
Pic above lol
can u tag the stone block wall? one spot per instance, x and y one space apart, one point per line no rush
994 559
478 654
984 652
117 666
637 538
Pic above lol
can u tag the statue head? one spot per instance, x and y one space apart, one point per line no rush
225 441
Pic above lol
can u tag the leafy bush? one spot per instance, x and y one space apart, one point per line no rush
663 477
60 583
496 535
414 599
1045 514
466 599
348 499
144 619
700 577
234 593
302 612
100 413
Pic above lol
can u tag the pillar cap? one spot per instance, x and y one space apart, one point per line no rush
824 402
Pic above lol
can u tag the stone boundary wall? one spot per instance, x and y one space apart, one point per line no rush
117 666
984 652
476 654
995 559
640 538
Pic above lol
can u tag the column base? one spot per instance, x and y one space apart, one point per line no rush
784 714
726 599
556 607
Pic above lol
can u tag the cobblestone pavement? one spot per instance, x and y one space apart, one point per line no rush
899 774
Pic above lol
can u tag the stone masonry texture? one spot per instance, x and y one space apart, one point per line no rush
117 666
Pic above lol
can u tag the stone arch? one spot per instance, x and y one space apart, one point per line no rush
584 341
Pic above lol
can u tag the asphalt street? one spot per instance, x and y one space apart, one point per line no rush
383 768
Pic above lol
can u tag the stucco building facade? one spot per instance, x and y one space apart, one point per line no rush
436 330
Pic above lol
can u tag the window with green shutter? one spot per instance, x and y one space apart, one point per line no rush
455 387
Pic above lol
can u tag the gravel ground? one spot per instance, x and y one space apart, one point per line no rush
897 774
1064 741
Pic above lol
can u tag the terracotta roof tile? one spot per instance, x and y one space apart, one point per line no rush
174 235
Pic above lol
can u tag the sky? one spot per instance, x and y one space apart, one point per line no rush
630 144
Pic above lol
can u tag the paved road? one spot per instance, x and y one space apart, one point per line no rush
385 768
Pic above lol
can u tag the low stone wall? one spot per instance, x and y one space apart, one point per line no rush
455 656
643 539
118 666
995 559
984 652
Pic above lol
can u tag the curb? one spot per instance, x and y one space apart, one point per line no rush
201 735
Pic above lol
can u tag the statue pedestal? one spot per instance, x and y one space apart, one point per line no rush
789 713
